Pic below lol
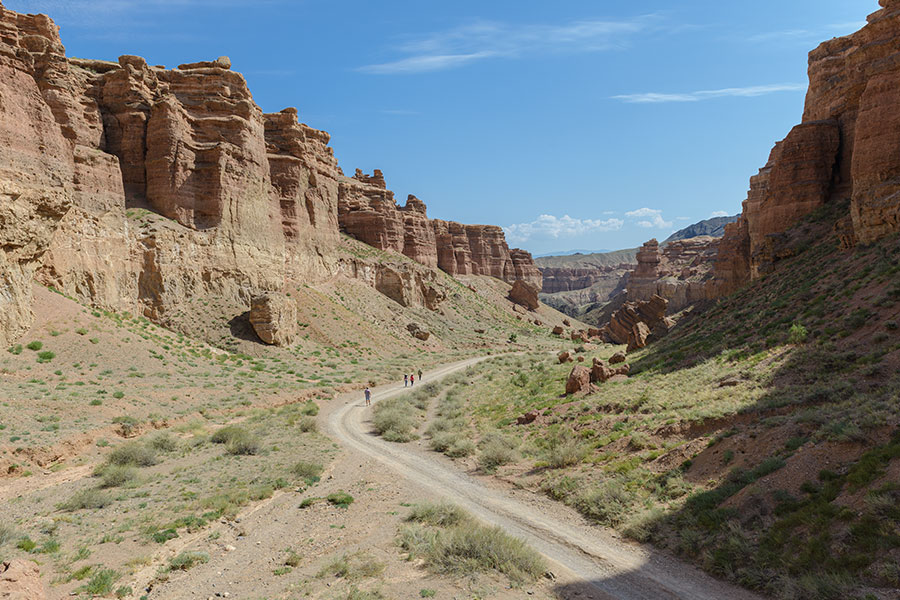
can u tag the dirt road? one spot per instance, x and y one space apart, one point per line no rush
606 567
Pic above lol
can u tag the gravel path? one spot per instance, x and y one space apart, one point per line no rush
607 567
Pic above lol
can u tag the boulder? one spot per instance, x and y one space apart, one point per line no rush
580 359
564 357
601 372
274 318
651 312
527 418
579 380
418 332
558 330
567 323
618 357
638 337
524 294
593 332
578 336
20 580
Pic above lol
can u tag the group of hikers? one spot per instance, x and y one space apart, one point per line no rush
408 380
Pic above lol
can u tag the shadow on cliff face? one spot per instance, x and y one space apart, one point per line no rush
241 328
807 503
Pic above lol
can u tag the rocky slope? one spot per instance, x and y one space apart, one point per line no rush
845 150
135 188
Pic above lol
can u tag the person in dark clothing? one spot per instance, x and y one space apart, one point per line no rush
420 374
405 380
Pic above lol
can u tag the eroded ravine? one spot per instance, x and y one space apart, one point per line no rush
609 568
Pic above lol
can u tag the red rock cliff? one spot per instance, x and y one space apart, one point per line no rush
846 148
368 212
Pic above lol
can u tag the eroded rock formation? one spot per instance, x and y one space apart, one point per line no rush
680 271
135 187
524 294
846 148
367 211
651 313
274 318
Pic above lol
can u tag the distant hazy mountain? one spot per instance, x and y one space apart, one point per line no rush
714 227
570 253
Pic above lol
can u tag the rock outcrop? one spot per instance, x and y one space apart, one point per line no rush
524 294
367 211
274 319
579 380
20 580
680 271
846 148
134 188
651 313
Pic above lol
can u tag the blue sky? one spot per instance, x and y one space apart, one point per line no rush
575 124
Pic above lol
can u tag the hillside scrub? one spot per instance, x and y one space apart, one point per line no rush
715 446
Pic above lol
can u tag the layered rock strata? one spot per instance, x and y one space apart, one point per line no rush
847 148
367 211
625 326
680 271
135 187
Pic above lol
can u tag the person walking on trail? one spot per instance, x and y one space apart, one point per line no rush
405 380
420 374
368 397
412 379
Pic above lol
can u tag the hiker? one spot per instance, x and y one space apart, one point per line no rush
405 380
412 379
420 374
368 397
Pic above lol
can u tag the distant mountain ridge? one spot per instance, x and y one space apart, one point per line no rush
714 227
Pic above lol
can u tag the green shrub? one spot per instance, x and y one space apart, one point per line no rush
101 583
308 424
86 499
118 395
35 345
45 356
7 534
565 452
310 409
16 349
441 441
308 471
442 514
461 448
243 446
26 544
340 499
164 442
116 475
358 565
471 547
187 560
395 420
227 433
133 454
607 503
497 451
797 334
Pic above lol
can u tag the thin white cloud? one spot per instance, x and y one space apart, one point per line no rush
487 39
550 226
718 213
805 35
734 92
649 218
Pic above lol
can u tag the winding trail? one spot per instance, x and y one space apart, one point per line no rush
608 568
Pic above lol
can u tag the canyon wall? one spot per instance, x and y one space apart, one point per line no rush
136 187
847 149
367 211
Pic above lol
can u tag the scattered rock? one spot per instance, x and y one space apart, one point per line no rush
580 359
579 380
418 332
616 358
640 332
567 323
578 336
274 318
564 356
479 331
524 294
527 418
558 330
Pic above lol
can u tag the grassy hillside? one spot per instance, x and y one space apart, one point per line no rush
760 439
